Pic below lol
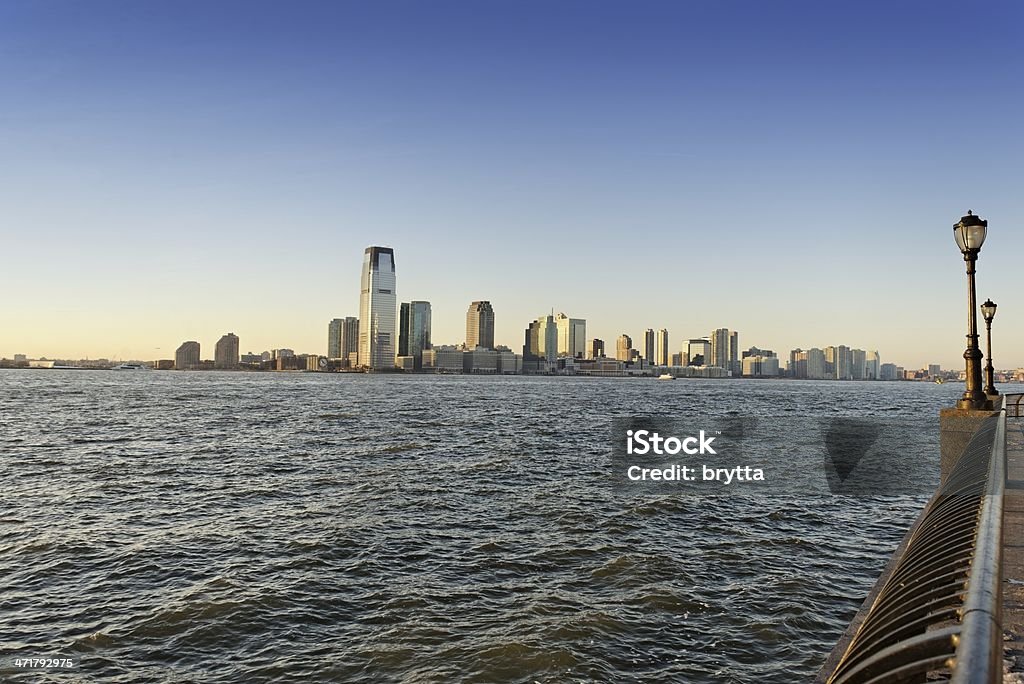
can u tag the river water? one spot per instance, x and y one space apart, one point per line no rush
247 527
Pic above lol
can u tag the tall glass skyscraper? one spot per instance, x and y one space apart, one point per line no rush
377 304
414 331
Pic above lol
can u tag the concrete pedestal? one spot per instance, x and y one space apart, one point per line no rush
956 427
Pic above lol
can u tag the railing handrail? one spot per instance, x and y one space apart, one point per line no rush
1013 409
937 606
979 655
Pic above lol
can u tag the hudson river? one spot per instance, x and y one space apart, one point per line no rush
233 527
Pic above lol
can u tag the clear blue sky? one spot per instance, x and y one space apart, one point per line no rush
792 170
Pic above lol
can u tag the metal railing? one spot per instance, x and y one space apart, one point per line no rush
1012 403
935 612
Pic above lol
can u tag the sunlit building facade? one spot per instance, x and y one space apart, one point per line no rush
572 336
623 348
225 354
661 352
725 347
480 326
377 306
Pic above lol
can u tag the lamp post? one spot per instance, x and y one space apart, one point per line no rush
970 233
988 312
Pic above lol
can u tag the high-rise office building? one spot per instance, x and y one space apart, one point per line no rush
843 363
544 338
858 367
572 336
343 337
187 356
698 352
809 364
403 329
540 345
225 354
649 345
596 348
830 361
839 362
480 326
414 331
816 369
797 367
350 340
623 348
335 329
377 305
661 352
872 366
725 345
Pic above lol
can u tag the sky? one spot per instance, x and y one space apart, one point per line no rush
791 170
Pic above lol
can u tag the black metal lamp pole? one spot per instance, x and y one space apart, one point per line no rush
988 312
970 235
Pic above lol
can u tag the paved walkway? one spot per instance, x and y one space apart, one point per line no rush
1013 552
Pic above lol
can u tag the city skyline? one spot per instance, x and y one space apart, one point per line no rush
652 175
407 331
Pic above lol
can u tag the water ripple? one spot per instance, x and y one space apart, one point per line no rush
224 527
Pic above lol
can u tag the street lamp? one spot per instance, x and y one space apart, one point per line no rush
970 234
988 312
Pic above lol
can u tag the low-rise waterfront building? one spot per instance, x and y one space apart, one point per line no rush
444 359
760 366
889 371
480 360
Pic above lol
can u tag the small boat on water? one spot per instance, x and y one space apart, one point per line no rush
666 376
130 366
